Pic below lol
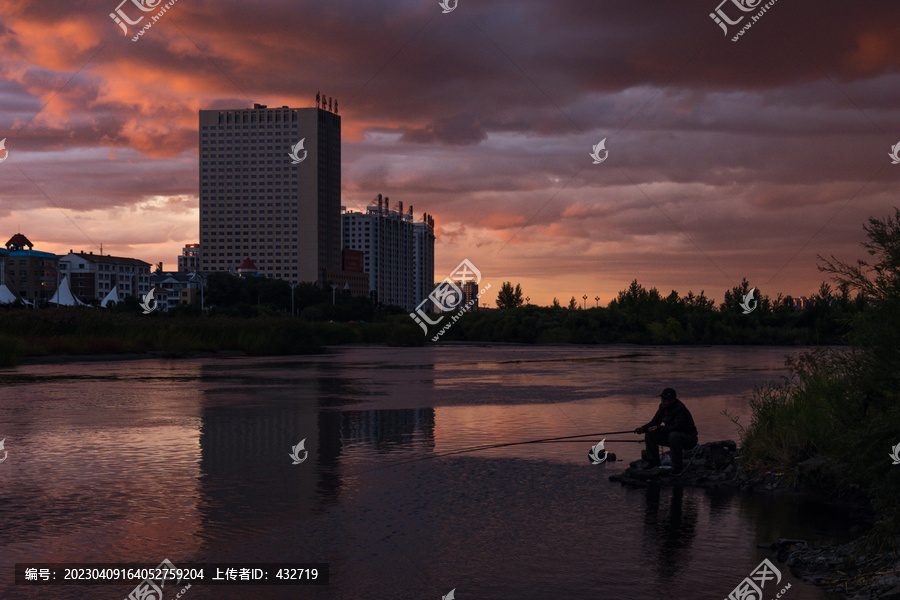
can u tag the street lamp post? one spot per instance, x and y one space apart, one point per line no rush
584 304
334 288
198 275
527 299
597 298
293 285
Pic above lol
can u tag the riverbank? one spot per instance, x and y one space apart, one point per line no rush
62 359
866 567
29 336
58 335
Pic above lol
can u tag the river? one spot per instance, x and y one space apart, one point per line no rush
137 461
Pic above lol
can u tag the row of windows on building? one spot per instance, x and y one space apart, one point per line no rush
251 168
280 190
24 273
231 201
229 189
278 225
276 260
277 247
270 228
108 285
229 240
211 265
251 212
223 131
245 205
229 170
242 255
207 156
121 269
254 155
323 168
112 276
256 222
293 176
226 127
265 116
253 219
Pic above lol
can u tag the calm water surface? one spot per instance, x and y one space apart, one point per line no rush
189 460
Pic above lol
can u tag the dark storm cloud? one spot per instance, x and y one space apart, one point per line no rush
721 153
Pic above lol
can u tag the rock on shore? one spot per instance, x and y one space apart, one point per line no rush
708 465
848 570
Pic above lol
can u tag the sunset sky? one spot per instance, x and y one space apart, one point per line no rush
726 159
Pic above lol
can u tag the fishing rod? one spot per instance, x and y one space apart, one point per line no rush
492 446
540 441
581 442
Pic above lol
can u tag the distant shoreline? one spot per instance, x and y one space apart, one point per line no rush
68 358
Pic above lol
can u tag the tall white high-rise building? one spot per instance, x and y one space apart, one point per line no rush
267 197
388 239
423 261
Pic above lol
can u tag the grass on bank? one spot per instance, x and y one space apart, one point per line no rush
71 330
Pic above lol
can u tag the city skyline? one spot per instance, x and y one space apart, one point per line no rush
725 159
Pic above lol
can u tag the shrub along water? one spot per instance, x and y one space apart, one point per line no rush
844 405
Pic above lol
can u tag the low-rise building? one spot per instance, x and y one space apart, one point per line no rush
189 260
29 274
352 279
470 293
173 289
92 276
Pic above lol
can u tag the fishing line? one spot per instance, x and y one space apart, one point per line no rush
580 442
570 438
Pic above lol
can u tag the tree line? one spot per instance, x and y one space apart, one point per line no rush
644 316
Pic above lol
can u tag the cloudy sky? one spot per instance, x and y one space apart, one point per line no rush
725 159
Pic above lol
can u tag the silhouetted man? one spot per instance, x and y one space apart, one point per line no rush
671 426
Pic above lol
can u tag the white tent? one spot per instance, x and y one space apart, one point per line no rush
112 296
64 296
6 296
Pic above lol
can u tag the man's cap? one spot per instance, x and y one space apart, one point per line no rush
668 394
